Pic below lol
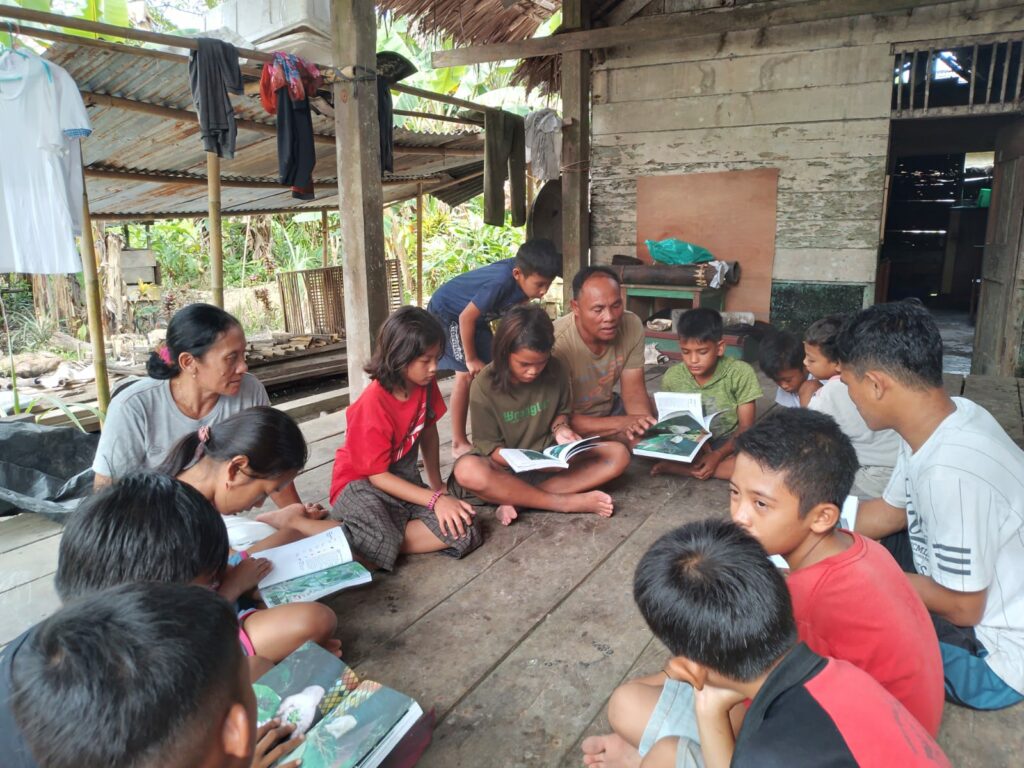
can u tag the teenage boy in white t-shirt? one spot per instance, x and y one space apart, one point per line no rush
953 512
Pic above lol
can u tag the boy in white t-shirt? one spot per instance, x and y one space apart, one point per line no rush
953 513
876 451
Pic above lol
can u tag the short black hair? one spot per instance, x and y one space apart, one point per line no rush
586 273
144 527
815 457
700 324
270 439
131 677
780 351
709 592
526 326
539 257
193 329
824 334
407 334
901 339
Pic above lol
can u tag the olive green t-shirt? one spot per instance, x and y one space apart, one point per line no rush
732 384
522 418
594 376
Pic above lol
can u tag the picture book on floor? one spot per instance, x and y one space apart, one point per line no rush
553 457
347 722
311 568
681 430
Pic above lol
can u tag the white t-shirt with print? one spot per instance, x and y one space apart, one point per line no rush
964 495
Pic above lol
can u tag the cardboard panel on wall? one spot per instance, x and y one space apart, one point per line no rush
732 214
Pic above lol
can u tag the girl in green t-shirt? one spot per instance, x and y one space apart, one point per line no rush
523 400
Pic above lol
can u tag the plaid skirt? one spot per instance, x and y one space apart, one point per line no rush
375 522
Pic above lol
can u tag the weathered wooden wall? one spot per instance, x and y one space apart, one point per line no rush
812 100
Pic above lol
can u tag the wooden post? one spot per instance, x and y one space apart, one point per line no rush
360 195
216 236
93 304
325 233
575 150
419 244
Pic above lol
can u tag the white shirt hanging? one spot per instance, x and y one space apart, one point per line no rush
37 118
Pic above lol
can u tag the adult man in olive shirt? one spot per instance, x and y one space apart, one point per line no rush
602 345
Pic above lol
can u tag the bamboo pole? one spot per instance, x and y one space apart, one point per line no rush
93 305
216 235
419 244
325 232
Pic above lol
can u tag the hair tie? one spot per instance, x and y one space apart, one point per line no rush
164 353
204 438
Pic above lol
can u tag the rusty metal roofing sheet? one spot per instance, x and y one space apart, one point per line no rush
133 141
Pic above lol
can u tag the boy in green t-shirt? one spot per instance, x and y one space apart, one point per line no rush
726 386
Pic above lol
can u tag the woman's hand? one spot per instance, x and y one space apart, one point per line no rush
243 577
453 515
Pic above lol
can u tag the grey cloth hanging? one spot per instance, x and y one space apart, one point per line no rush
544 144
213 71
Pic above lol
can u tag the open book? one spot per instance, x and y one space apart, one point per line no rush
553 457
309 569
347 722
681 429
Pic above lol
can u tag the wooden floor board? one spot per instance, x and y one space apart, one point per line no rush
18 530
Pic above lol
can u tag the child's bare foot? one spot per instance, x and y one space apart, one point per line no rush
333 645
598 502
315 511
282 518
670 468
610 751
460 449
506 513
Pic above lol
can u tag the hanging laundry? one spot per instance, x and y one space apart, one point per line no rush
213 71
544 144
286 84
504 158
391 68
36 120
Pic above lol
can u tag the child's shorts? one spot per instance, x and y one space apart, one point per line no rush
463 494
675 716
454 358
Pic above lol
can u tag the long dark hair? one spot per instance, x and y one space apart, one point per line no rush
407 334
193 329
268 438
524 327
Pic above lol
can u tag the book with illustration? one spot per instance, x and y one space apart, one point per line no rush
347 722
552 457
681 431
310 568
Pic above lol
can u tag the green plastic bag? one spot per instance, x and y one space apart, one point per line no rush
673 251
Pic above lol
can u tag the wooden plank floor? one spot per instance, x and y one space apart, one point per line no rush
519 645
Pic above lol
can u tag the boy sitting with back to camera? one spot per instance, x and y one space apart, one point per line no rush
793 470
726 386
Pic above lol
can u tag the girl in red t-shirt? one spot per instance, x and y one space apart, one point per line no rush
376 488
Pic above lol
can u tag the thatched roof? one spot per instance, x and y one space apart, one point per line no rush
478 22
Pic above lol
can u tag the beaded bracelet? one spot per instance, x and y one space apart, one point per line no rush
433 499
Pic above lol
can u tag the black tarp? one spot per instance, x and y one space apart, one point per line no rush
44 469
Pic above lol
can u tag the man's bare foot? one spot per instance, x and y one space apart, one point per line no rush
282 518
610 751
598 502
315 511
460 449
506 513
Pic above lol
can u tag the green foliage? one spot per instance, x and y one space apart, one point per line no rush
30 333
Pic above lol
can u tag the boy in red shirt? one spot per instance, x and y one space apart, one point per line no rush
793 470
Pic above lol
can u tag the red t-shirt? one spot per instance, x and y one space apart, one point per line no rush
381 430
859 606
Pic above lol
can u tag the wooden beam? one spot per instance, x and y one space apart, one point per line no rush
575 151
361 198
93 305
677 27
625 11
166 178
419 245
325 235
435 116
216 232
431 96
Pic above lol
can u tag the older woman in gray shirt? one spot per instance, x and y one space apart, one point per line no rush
198 379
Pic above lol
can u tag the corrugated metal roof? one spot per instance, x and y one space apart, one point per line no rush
131 140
